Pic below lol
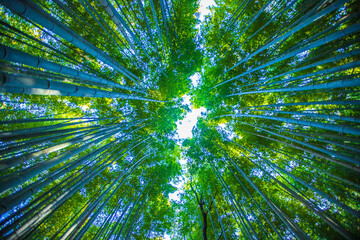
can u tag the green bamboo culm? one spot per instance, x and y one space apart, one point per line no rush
94 94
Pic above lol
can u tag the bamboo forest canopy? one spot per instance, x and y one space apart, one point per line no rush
92 91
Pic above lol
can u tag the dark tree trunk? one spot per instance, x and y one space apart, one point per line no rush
204 229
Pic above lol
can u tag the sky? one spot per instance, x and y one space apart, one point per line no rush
203 10
185 126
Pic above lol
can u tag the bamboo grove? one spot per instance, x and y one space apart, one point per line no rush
88 115
91 92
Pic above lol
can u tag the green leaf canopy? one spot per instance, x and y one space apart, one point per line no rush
92 91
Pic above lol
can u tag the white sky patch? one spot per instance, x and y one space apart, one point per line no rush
229 134
195 79
204 8
84 108
185 126
175 196
186 99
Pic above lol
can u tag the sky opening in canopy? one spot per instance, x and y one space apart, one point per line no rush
111 140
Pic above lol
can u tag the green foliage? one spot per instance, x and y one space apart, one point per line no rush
275 156
263 154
